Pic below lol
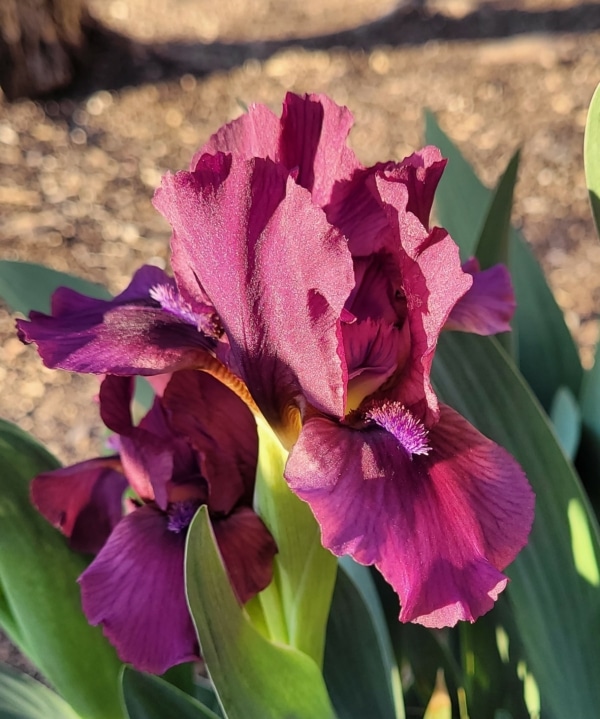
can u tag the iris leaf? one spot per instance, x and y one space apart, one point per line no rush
38 576
149 697
494 241
22 697
360 671
566 418
548 356
461 201
555 587
26 286
253 677
591 155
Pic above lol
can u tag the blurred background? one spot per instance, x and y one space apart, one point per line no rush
102 97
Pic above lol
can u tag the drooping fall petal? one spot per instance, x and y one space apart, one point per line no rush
84 500
247 548
135 589
488 306
130 334
439 526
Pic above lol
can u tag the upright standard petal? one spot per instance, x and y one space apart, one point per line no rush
310 138
432 281
276 272
130 334
135 590
440 526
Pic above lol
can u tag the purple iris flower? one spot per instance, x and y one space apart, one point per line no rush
175 460
327 290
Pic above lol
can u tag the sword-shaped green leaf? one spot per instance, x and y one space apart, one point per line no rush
547 354
555 587
253 677
26 286
22 697
41 607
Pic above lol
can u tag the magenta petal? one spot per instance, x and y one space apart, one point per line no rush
488 306
420 173
277 273
129 334
433 282
247 548
221 429
313 139
83 501
440 527
254 134
135 590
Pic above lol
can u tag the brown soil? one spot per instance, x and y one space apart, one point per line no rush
78 171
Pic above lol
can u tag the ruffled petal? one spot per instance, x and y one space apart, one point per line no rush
355 208
488 307
84 501
221 429
310 139
440 527
420 173
247 548
314 131
130 334
253 134
433 282
277 273
135 590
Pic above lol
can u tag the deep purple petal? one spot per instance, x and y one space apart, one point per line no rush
115 396
354 208
129 334
135 590
247 548
439 527
488 306
84 501
222 430
276 272
148 465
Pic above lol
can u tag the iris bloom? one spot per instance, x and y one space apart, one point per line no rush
175 460
317 289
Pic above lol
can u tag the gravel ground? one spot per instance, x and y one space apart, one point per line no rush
77 172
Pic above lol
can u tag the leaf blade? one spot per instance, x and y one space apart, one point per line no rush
26 286
254 678
548 575
36 565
